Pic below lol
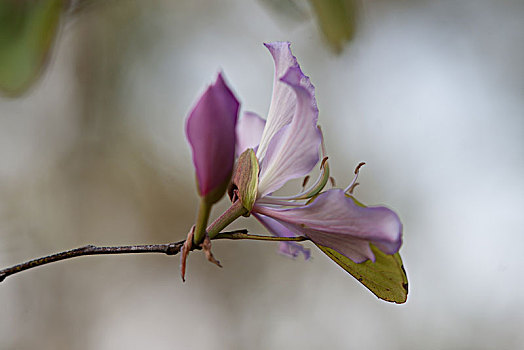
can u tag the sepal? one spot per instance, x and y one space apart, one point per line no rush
245 179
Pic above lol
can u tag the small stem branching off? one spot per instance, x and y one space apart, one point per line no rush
168 249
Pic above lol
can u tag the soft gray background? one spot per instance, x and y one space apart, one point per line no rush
429 94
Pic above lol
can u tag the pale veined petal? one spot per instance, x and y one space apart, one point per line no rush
292 249
293 150
283 100
335 221
249 131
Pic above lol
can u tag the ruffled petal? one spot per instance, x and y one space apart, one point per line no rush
293 150
283 100
249 131
335 221
291 249
210 129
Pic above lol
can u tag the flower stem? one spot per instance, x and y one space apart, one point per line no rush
203 216
235 211
239 235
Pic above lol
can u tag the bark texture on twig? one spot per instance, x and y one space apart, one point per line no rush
168 249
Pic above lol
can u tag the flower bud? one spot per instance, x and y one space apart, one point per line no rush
210 129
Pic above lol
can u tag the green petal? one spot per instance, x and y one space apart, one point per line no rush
27 32
386 277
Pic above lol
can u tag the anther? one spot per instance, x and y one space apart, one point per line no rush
304 183
354 182
360 165
323 163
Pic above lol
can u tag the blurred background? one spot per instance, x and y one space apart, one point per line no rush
92 151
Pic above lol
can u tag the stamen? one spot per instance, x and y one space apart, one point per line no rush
354 183
304 183
352 188
321 181
268 200
323 162
332 180
322 144
360 165
318 186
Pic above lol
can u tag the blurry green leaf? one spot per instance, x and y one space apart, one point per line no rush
386 277
27 32
337 20
288 9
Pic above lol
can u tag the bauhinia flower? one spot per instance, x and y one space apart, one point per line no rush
287 146
271 152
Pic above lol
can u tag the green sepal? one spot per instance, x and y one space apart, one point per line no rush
386 277
245 178
27 32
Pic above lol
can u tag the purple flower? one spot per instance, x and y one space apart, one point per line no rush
210 130
287 147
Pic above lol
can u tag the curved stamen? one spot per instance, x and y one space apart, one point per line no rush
319 184
354 183
352 188
278 202
304 183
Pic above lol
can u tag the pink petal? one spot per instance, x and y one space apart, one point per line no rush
335 221
293 150
249 131
283 101
291 249
210 129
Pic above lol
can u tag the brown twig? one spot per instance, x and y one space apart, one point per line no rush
168 249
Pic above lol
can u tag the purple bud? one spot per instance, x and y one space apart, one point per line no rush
210 129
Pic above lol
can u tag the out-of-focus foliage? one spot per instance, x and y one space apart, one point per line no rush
288 9
337 20
28 29
27 32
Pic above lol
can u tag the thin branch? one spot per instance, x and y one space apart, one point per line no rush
168 249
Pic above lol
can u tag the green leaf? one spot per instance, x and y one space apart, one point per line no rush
27 32
386 277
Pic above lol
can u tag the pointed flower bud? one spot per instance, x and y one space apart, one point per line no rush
210 129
